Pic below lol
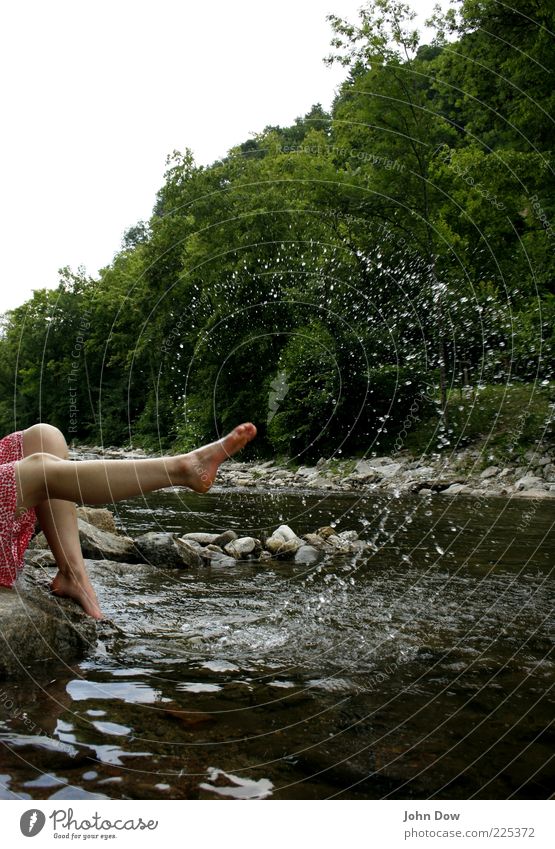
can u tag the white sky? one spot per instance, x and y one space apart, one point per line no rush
96 93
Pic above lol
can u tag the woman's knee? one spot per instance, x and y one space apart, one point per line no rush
44 439
32 477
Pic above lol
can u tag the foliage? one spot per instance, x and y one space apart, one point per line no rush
400 242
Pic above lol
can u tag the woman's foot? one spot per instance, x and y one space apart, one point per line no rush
199 468
79 588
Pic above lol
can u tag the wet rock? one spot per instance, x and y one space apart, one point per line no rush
284 542
100 517
37 628
223 539
326 532
348 536
216 558
316 541
242 547
97 544
202 538
166 551
308 555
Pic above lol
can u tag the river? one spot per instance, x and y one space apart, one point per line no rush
421 670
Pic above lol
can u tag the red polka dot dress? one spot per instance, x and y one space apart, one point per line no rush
15 531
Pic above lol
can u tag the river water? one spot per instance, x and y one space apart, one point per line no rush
422 669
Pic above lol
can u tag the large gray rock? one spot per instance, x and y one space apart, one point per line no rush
36 627
96 544
167 551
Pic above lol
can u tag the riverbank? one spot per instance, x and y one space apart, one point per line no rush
464 473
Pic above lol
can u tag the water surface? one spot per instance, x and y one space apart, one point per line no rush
422 669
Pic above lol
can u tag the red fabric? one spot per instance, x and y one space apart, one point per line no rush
15 531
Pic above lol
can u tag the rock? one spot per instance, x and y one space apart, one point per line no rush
326 532
283 542
306 472
39 557
490 472
242 547
529 482
202 538
549 472
223 539
285 533
316 541
348 536
215 548
97 544
544 461
308 554
425 491
390 470
100 517
343 545
37 628
455 489
216 558
282 548
167 551
534 493
420 472
39 541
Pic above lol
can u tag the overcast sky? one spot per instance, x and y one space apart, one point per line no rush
96 94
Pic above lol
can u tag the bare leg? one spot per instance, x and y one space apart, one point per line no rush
44 476
58 520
